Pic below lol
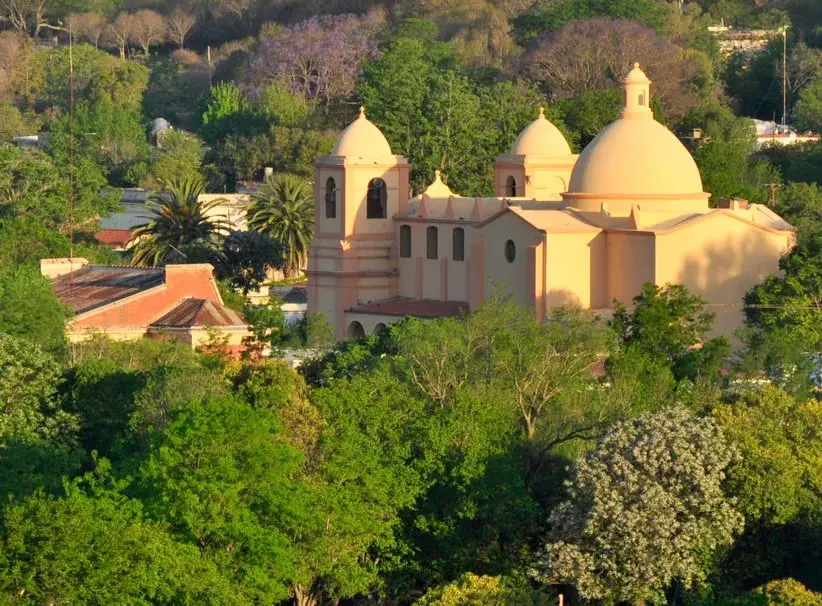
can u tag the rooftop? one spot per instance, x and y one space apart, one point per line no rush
192 313
418 308
94 286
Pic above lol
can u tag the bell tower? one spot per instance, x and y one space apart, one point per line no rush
358 188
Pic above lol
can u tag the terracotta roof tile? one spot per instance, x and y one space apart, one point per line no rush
419 308
114 238
96 285
193 312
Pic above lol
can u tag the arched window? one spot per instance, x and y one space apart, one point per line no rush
511 187
405 241
379 328
458 244
641 99
355 330
330 198
377 200
431 243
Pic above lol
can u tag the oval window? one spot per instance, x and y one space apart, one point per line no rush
510 251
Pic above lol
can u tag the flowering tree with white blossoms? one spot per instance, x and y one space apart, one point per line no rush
644 508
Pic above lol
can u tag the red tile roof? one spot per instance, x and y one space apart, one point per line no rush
113 238
419 308
192 313
96 285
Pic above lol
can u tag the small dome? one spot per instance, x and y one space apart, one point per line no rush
540 138
361 139
635 157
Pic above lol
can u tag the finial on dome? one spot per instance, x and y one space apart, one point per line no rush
541 111
438 189
362 111
636 64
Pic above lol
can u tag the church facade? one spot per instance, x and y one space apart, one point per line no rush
561 229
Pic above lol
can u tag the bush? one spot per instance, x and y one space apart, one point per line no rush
184 56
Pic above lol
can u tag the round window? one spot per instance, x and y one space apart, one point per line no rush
510 251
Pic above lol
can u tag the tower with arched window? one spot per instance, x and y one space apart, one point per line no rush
358 188
538 165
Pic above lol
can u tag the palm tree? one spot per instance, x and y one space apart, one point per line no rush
178 218
283 208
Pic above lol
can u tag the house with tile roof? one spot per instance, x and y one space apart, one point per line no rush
179 302
561 229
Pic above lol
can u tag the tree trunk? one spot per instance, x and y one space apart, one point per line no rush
304 597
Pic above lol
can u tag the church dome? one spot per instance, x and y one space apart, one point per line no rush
361 139
636 159
540 138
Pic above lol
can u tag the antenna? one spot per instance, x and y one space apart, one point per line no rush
71 147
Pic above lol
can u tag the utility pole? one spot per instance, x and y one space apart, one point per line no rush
784 75
208 54
772 187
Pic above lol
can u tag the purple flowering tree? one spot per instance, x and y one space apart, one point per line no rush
320 57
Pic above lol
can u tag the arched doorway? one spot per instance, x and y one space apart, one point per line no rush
379 328
355 330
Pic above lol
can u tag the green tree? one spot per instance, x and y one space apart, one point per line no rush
808 111
95 546
545 17
98 77
789 303
35 186
181 158
670 324
28 395
29 309
473 590
644 508
222 477
283 208
227 110
777 478
246 258
180 218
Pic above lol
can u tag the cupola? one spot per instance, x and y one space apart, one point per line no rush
362 139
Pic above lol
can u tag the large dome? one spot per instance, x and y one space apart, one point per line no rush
361 139
635 157
540 138
636 160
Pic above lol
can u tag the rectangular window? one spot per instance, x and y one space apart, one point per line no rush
405 241
431 247
458 244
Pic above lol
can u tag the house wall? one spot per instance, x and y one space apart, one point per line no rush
181 281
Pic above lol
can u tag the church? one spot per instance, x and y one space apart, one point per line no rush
561 229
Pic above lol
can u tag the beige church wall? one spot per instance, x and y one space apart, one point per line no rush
720 259
576 270
630 264
546 185
513 277
321 175
440 279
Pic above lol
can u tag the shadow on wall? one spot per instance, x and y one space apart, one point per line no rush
723 272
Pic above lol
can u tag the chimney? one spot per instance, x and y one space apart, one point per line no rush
51 268
188 274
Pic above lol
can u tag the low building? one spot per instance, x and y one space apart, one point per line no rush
770 133
181 302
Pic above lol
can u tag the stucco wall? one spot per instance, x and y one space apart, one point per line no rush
181 281
442 278
630 264
719 258
513 277
576 270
